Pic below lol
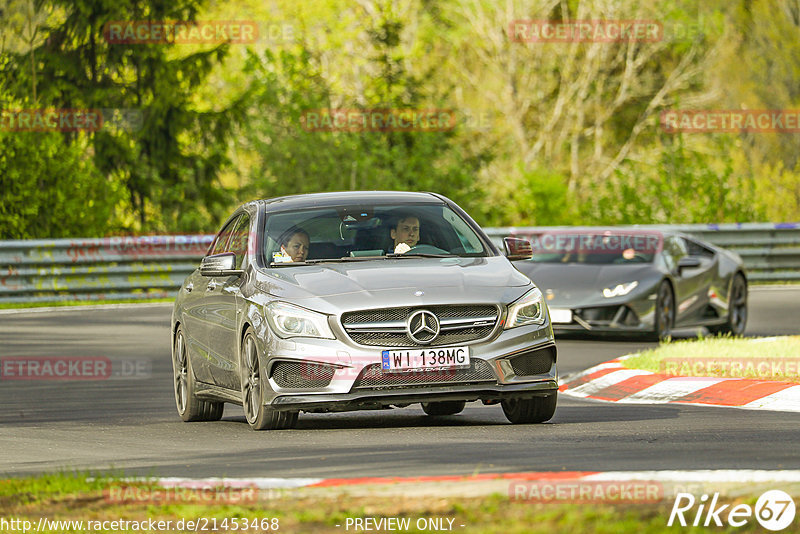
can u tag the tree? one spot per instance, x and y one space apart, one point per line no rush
169 156
293 158
580 109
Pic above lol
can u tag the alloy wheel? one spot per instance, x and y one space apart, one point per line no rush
252 382
664 311
181 371
738 310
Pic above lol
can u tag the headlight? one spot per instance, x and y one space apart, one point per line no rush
620 290
527 310
288 320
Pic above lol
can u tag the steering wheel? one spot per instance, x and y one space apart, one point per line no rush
638 257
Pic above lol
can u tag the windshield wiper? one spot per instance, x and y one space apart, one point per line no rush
324 260
418 255
288 263
343 259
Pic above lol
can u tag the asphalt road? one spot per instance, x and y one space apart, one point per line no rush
129 422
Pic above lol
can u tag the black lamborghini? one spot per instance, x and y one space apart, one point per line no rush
629 281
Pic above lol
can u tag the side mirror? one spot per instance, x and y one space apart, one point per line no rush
220 265
687 262
517 249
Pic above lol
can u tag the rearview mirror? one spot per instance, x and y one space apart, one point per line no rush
517 249
219 265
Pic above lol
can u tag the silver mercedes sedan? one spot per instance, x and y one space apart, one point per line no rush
356 301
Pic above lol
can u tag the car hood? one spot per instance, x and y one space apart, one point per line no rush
576 284
396 282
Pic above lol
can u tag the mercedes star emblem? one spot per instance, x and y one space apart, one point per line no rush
422 327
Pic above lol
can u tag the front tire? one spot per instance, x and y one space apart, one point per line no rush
443 407
664 314
190 408
533 410
737 309
258 416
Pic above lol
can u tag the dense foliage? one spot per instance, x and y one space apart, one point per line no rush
543 133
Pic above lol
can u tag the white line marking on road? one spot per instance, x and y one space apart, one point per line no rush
786 400
88 307
707 475
782 287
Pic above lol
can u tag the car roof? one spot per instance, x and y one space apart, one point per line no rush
322 200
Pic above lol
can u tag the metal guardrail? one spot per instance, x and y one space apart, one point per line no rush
97 269
155 266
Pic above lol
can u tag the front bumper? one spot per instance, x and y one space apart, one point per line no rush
620 317
601 329
513 362
370 400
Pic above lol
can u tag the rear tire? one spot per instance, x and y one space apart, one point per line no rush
190 408
258 416
533 410
443 407
737 309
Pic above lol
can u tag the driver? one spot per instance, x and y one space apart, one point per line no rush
405 233
294 244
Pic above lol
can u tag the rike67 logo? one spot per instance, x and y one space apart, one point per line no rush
774 510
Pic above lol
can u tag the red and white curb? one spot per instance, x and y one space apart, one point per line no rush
538 486
612 381
738 476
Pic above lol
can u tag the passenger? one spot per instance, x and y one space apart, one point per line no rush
294 244
405 233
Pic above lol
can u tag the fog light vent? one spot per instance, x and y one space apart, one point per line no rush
302 374
536 362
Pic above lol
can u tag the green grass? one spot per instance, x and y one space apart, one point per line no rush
320 510
22 305
775 358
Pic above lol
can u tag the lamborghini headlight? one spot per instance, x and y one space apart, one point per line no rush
620 290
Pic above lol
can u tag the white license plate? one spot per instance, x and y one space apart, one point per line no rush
429 358
560 316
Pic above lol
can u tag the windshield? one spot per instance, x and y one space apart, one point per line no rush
602 247
361 233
